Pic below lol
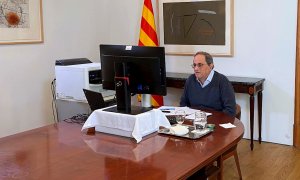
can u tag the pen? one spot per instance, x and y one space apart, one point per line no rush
165 111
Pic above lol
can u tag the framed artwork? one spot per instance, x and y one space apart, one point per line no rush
189 26
21 21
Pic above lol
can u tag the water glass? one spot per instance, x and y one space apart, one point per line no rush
200 120
180 116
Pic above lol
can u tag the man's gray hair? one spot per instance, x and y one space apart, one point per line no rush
208 57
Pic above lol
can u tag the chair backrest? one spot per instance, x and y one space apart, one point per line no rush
95 99
238 111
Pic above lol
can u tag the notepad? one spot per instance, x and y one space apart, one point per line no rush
227 125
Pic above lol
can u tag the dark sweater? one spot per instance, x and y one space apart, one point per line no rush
217 95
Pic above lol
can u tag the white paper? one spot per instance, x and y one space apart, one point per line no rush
192 116
190 113
227 125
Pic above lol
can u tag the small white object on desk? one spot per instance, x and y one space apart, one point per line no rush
227 125
136 126
179 130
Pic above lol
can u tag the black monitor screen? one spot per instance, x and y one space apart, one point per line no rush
143 68
146 67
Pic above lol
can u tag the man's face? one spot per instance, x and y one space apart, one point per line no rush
202 69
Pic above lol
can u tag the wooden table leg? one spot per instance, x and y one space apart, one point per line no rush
259 98
220 166
251 120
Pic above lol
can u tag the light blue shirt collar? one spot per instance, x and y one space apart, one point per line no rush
208 79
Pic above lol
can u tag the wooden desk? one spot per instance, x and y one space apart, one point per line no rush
62 151
251 86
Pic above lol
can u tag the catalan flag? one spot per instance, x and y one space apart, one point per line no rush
148 37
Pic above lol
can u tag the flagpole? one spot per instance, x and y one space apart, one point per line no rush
146 100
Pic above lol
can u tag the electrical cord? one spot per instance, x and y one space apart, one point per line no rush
79 119
54 107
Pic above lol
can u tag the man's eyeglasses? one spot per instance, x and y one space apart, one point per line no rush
199 65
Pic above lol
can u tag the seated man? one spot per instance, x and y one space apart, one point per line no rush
207 88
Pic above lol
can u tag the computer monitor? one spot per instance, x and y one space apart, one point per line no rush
132 70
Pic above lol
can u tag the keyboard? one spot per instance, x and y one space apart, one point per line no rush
107 93
172 119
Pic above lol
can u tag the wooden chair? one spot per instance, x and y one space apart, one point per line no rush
211 171
231 152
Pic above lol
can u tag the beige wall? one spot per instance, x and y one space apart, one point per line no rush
71 29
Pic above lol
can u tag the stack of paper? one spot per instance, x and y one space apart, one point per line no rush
190 113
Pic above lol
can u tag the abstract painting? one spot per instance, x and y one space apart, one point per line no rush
186 26
20 21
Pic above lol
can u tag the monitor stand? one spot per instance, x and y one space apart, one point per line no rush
135 110
122 87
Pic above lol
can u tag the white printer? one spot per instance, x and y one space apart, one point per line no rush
71 79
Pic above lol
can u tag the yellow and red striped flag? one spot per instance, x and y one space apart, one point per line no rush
148 37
